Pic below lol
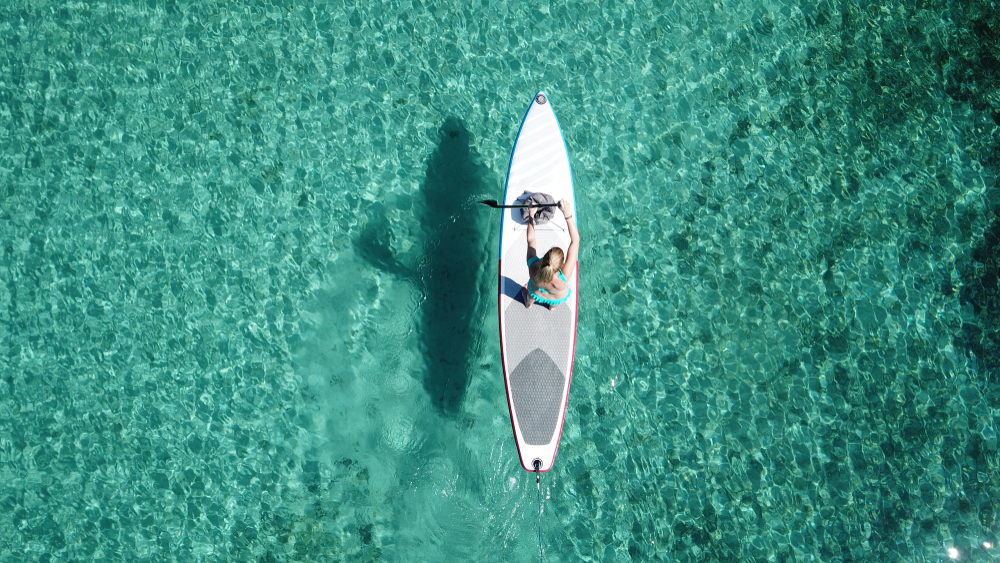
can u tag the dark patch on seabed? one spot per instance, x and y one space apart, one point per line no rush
447 273
981 290
964 69
973 77
454 253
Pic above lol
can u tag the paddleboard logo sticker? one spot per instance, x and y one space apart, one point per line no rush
540 100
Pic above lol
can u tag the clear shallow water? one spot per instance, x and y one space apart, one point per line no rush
237 239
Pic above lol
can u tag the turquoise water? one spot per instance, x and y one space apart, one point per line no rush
247 303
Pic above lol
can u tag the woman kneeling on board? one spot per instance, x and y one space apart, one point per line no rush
543 286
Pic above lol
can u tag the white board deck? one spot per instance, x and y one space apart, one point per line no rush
537 344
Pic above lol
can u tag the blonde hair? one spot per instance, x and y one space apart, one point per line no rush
549 265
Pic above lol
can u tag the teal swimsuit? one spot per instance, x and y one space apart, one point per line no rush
542 300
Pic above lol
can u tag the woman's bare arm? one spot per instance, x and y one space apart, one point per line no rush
574 239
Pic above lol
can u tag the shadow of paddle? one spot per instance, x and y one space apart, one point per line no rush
453 267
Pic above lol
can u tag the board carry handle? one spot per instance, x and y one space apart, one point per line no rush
495 205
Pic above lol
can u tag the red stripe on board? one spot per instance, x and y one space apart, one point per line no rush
572 359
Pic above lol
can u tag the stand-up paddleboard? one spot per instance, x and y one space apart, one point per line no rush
536 344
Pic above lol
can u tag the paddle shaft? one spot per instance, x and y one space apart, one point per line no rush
522 206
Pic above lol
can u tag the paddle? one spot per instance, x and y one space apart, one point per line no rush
495 205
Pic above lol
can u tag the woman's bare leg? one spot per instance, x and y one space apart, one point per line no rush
526 296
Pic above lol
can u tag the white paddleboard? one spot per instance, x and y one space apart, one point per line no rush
537 344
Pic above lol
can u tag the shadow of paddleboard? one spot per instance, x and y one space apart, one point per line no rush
451 270
455 263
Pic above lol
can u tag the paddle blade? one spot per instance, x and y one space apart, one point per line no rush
491 202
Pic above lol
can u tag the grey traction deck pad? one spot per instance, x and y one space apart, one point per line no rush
538 341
